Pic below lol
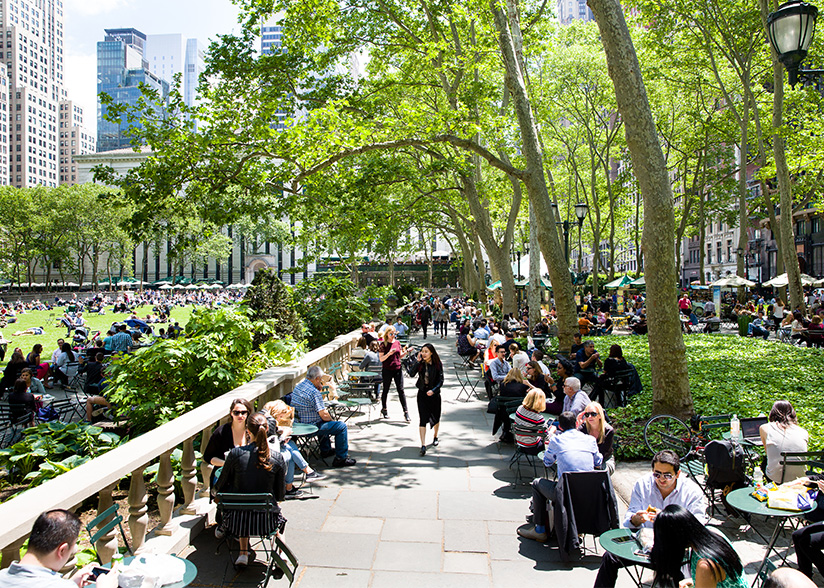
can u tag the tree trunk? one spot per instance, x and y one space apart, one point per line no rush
668 360
535 286
511 46
742 195
702 229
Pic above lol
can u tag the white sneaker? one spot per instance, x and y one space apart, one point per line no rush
219 533
242 560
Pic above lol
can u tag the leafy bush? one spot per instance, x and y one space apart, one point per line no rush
159 383
405 293
728 375
49 449
268 298
329 306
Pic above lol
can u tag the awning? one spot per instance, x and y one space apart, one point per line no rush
618 282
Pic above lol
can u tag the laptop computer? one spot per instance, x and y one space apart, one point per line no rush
750 429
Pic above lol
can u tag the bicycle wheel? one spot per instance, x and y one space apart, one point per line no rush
668 432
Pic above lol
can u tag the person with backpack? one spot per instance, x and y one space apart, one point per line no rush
663 486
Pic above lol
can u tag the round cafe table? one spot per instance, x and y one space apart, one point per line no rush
622 544
189 574
742 500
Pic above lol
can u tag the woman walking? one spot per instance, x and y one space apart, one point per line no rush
390 356
430 380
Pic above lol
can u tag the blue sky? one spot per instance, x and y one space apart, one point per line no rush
85 21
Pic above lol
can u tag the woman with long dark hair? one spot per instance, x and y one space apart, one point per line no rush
713 563
430 380
12 371
229 435
782 434
252 469
60 368
390 355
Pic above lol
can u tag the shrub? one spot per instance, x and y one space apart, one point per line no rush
159 383
268 298
329 306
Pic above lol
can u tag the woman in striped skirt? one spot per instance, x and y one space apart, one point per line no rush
252 469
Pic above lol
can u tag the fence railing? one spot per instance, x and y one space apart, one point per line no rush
101 475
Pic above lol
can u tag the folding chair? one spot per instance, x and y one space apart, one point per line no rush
588 500
104 523
468 379
520 453
11 428
811 460
615 388
266 532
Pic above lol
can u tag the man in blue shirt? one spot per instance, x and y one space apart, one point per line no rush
122 340
309 408
571 451
400 327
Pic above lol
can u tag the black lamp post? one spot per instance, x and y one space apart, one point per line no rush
581 210
740 251
791 29
565 227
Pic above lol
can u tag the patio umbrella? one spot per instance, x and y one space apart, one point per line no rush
166 287
618 282
494 286
782 280
639 283
191 287
215 287
733 282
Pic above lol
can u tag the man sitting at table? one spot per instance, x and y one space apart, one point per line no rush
52 543
309 407
758 327
400 327
586 362
572 451
656 490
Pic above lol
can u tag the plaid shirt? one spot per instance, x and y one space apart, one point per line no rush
307 402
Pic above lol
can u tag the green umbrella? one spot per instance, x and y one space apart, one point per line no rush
494 286
618 282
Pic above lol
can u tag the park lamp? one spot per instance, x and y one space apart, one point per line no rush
739 251
791 29
581 210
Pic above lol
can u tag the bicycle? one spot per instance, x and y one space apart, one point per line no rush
666 431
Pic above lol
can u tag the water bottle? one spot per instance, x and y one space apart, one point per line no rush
117 558
735 428
758 476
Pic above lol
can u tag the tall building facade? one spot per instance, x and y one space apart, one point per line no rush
121 69
569 10
75 139
194 64
169 55
5 155
31 34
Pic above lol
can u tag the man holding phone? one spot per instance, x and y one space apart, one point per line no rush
52 543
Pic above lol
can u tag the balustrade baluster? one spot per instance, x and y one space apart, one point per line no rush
165 494
138 511
205 468
106 546
189 476
11 552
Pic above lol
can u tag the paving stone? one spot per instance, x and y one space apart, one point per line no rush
467 536
466 563
413 531
480 506
408 557
316 577
377 502
358 525
334 550
440 580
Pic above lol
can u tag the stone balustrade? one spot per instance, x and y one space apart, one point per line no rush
101 475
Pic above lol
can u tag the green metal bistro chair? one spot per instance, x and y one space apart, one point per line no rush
102 524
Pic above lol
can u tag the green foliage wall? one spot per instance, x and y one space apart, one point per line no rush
329 306
269 298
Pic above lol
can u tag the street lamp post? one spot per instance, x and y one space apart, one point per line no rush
791 29
581 210
740 251
565 226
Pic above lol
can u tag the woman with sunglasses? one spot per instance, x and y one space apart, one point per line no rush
390 355
229 435
592 422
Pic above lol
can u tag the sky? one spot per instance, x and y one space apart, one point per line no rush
85 21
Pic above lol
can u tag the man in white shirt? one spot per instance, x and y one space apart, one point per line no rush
656 490
52 543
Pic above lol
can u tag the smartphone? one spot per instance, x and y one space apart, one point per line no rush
99 571
623 539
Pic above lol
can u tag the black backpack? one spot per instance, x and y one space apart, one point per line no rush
725 465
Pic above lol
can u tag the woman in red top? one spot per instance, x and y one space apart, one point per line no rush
390 356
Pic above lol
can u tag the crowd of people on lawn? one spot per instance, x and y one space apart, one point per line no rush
550 405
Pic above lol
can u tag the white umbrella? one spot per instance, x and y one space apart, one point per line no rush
191 287
166 287
72 285
782 280
179 287
215 287
733 282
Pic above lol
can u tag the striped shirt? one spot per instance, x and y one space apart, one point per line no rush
528 418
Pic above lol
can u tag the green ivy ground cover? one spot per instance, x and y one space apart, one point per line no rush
728 374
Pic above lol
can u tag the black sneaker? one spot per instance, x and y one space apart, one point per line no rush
315 477
294 494
423 449
435 442
343 463
406 417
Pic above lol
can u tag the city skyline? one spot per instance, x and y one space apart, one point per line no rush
85 23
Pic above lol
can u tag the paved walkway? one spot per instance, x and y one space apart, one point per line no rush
446 519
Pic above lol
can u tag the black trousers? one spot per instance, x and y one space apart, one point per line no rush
809 546
388 376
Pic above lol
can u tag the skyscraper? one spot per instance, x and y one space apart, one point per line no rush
31 46
168 55
74 140
569 10
121 69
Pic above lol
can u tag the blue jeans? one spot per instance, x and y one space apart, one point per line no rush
757 331
337 430
293 458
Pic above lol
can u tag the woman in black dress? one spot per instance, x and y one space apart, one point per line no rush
253 469
430 380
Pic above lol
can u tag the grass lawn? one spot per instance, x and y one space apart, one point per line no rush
728 375
50 321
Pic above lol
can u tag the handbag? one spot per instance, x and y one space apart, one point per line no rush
410 364
492 407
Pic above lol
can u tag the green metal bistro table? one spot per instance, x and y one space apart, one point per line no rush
359 375
303 434
189 574
622 544
741 500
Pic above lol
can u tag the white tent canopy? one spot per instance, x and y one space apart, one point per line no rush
524 266
782 280
733 282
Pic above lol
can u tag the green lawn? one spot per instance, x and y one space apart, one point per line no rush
50 321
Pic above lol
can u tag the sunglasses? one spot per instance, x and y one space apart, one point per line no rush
590 414
240 412
666 476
